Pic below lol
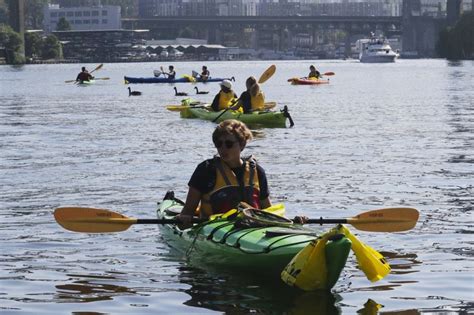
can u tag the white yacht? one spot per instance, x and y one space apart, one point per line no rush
376 50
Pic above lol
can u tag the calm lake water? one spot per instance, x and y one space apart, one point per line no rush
379 135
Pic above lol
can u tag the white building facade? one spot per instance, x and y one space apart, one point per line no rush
105 17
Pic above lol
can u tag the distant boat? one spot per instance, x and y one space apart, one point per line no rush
376 50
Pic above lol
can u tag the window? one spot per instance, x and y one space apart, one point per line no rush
95 21
86 13
70 13
95 13
77 22
61 14
86 21
104 12
78 13
54 14
104 21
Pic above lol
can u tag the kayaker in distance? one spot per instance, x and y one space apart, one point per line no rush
171 73
252 99
84 75
205 73
214 185
313 73
224 98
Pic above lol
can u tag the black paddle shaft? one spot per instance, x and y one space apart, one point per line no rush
166 221
322 221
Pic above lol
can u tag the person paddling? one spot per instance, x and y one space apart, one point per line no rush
219 184
84 75
313 73
222 182
171 73
252 99
204 73
224 98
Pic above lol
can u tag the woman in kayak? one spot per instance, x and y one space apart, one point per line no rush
222 182
224 98
313 73
171 74
252 99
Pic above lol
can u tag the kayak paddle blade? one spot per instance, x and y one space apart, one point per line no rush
267 74
386 220
92 220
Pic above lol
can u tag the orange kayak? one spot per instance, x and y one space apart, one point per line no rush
304 81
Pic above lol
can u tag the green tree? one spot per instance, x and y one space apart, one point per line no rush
3 12
458 42
13 43
34 13
63 25
33 45
51 48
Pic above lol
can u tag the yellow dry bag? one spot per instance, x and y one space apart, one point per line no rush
370 261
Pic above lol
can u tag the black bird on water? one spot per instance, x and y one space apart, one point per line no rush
133 93
200 92
176 93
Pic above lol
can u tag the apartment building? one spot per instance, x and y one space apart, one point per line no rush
102 17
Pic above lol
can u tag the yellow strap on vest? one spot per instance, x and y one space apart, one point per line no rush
278 209
370 261
222 215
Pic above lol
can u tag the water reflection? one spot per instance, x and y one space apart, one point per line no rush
239 293
402 263
90 288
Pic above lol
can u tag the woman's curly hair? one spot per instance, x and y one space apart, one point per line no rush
233 127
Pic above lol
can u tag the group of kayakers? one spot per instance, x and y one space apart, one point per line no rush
252 99
171 74
224 181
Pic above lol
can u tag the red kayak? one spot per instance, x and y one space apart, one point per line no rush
305 81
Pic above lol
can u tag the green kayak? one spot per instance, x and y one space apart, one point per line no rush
267 118
272 119
237 245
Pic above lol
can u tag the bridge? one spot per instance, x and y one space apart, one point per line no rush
270 32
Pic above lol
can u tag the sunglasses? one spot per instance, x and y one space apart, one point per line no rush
228 143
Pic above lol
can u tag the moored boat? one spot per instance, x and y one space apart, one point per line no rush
376 50
237 244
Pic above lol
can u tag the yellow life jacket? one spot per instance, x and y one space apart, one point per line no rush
258 102
225 99
228 192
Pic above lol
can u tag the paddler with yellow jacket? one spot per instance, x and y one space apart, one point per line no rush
252 99
225 97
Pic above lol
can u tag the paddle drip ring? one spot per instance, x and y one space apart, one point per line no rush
252 217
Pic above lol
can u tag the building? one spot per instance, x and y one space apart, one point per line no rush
103 45
100 17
